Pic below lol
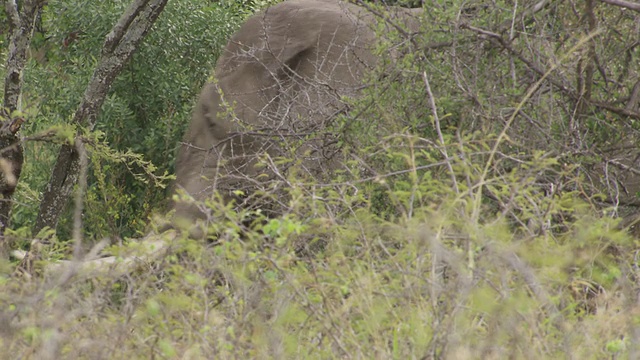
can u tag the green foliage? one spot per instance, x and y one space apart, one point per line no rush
447 238
438 281
245 8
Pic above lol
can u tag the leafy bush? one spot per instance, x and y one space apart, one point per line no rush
456 276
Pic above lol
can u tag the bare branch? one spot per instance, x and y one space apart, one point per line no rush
634 99
505 44
386 19
624 4
558 84
616 110
436 119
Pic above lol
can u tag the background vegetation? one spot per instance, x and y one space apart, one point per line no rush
145 113
490 212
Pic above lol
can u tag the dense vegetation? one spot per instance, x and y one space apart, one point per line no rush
490 212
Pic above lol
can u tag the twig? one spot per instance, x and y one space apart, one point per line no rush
436 119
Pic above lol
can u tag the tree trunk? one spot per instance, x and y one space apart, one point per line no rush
21 26
118 47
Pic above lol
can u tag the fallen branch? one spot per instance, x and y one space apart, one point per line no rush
150 248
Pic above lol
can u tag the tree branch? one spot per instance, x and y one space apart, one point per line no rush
634 99
624 4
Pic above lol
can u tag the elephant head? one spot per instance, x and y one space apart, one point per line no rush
277 84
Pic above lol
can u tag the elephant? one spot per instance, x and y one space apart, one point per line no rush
278 83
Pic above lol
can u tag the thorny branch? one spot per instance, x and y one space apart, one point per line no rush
558 84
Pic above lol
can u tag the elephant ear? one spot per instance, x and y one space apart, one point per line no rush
285 52
280 55
276 39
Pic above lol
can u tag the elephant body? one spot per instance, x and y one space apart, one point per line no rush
277 84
